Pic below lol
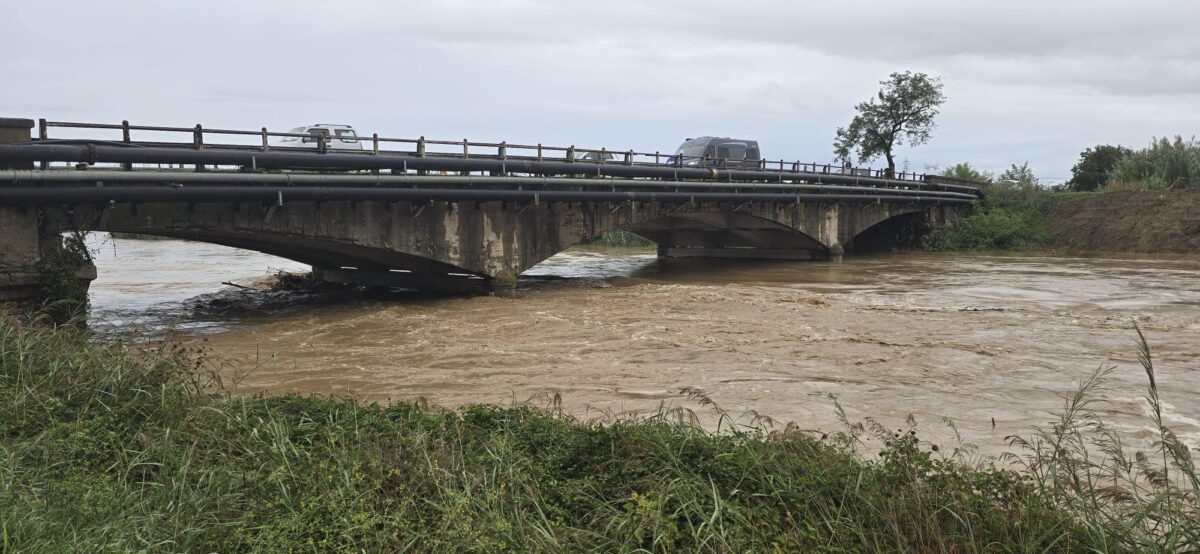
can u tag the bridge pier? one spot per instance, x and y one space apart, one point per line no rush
23 238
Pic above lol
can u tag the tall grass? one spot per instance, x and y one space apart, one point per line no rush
104 447
621 238
1164 164
1082 463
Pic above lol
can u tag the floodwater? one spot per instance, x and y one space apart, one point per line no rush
992 342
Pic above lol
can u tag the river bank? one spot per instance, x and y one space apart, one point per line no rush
110 447
1149 221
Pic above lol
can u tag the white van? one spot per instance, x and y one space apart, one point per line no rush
337 137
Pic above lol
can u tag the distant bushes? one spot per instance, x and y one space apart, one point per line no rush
1010 216
992 228
1164 164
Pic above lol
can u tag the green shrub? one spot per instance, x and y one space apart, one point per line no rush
63 295
1164 164
991 228
1010 216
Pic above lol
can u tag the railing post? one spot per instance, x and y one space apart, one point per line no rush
570 153
539 152
656 158
265 140
420 154
375 143
502 150
629 158
125 138
43 134
322 145
466 154
603 154
198 142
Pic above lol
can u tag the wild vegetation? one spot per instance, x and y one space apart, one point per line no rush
1165 164
1013 215
108 447
1010 216
62 294
621 238
1094 168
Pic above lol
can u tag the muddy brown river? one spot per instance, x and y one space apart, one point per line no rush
975 338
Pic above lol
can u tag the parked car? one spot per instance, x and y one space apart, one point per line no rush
725 151
337 137
594 157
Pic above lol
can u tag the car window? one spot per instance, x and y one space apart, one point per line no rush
346 135
752 153
315 132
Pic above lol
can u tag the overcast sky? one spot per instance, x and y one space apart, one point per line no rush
1033 81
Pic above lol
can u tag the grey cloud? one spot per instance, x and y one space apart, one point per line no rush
1036 81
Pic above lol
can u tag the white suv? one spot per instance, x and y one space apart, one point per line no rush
337 137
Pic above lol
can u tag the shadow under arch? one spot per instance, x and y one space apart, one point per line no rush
717 235
338 261
901 231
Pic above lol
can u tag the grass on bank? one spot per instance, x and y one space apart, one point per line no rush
621 238
106 447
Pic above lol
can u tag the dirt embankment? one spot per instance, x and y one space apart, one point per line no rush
1127 221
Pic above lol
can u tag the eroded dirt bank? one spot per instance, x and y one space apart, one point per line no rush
1127 221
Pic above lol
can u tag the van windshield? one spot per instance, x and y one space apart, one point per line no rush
691 150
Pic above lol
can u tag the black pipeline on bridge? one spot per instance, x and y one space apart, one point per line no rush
243 172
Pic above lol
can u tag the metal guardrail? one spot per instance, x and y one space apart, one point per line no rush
421 147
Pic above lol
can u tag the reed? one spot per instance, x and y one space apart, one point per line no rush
106 446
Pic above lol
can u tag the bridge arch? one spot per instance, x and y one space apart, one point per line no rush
469 246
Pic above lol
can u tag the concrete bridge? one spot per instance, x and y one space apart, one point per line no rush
459 223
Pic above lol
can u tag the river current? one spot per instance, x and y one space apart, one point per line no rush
991 341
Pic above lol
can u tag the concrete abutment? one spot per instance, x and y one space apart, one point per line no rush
23 238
